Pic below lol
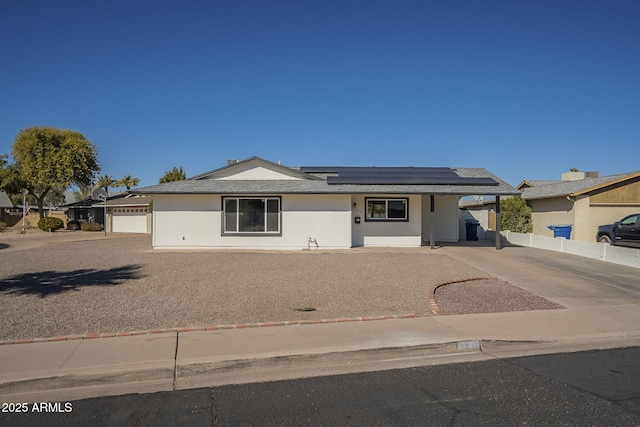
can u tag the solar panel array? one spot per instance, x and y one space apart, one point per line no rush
396 176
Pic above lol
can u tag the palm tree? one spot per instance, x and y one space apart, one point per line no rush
83 192
128 181
105 182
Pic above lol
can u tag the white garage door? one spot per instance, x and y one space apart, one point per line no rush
129 221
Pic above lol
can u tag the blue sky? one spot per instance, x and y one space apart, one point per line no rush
526 89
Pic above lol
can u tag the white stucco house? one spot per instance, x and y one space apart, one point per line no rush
255 203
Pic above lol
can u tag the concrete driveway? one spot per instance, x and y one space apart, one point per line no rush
568 280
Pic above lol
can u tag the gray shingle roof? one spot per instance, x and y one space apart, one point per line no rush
314 186
539 182
565 188
132 200
5 202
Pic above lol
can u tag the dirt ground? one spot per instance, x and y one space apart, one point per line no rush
81 282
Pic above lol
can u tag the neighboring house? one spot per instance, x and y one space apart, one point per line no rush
255 203
12 215
128 214
85 211
583 199
5 206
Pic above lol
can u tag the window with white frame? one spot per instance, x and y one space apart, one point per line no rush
251 215
380 209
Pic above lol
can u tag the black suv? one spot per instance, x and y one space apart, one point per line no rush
623 232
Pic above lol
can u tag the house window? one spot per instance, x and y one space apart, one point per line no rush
251 215
387 210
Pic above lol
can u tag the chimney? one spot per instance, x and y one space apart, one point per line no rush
232 162
575 176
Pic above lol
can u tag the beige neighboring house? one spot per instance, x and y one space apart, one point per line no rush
11 215
583 199
130 213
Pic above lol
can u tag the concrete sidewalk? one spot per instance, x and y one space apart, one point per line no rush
599 314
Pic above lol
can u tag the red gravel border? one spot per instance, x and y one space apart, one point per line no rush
435 309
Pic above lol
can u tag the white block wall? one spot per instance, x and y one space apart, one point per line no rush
601 251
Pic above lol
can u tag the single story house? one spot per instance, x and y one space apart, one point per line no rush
125 212
84 211
255 203
583 199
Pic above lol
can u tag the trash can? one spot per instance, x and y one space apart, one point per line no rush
563 230
472 229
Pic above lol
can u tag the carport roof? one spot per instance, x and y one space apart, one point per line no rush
130 200
467 181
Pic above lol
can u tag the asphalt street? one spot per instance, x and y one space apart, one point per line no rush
595 388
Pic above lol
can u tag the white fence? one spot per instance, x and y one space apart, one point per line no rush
601 251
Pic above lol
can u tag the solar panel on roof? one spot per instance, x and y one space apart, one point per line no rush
396 176
338 169
320 169
409 180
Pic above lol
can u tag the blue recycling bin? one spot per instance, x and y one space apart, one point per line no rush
471 226
563 230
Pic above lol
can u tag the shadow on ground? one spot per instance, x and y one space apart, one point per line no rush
47 283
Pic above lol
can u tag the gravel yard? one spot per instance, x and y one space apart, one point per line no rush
60 285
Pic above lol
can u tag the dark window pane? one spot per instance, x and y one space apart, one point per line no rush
273 214
230 215
397 209
251 215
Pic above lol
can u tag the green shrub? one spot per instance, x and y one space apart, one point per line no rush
91 226
50 223
3 225
515 215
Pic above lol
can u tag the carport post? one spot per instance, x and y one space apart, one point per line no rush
497 223
105 217
432 240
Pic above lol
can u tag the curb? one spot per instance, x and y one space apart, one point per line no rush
236 370
209 328
435 309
